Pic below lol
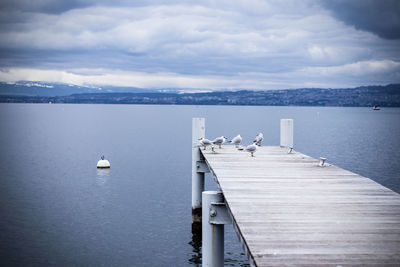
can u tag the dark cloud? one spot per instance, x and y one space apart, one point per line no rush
58 7
381 17
43 6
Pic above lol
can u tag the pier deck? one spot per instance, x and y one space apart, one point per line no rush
289 211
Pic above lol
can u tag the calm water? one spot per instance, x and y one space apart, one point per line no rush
56 208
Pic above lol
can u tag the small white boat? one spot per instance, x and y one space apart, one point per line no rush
376 108
103 163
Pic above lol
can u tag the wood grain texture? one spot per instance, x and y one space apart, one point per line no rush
289 211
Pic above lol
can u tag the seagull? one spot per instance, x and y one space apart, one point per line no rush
251 148
205 142
259 139
236 140
219 141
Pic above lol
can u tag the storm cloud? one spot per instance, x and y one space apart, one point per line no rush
249 44
379 17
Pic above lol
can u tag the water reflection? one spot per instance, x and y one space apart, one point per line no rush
195 258
231 259
102 176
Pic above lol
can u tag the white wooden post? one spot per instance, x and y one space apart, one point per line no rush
212 234
286 132
198 131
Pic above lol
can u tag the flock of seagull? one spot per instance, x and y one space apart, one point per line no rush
204 142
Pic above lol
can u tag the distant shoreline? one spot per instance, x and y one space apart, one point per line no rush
43 103
19 100
368 96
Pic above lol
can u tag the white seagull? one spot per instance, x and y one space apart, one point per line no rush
236 140
251 148
205 142
219 141
259 139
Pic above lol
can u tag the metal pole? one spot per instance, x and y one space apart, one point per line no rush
286 132
212 234
198 131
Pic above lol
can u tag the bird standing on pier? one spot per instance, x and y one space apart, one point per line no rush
259 139
236 140
219 141
252 148
205 142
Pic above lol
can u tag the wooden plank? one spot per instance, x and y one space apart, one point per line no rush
289 211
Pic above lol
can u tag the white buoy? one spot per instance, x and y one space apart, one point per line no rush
103 163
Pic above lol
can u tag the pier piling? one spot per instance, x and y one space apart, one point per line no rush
212 234
287 133
198 131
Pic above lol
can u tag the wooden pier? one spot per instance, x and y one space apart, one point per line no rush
288 210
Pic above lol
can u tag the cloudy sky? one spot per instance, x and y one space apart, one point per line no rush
252 44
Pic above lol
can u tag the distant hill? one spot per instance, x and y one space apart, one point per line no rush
385 96
59 89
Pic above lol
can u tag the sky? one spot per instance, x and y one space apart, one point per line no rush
243 44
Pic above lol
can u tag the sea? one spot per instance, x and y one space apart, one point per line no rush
58 209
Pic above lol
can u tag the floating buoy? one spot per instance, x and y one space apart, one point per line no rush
103 163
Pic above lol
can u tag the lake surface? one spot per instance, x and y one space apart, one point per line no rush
56 208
